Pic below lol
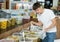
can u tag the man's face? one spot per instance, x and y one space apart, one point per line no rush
38 10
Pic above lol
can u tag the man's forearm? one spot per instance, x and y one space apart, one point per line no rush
51 26
38 24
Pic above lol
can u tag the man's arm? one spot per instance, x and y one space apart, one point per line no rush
51 26
37 23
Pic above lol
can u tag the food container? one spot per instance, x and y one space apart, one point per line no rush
13 21
25 40
19 20
9 24
13 39
3 24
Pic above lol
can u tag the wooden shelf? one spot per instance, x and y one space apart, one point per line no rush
10 32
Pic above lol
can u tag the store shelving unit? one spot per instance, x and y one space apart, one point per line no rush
19 7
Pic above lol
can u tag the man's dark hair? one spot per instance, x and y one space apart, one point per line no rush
36 5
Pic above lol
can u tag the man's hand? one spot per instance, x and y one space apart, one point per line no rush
46 29
31 22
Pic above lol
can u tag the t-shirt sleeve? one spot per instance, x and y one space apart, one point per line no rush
52 15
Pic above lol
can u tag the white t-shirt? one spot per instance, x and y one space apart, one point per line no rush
46 18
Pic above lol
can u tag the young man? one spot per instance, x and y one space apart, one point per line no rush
46 18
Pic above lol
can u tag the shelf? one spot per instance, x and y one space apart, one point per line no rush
21 2
10 32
